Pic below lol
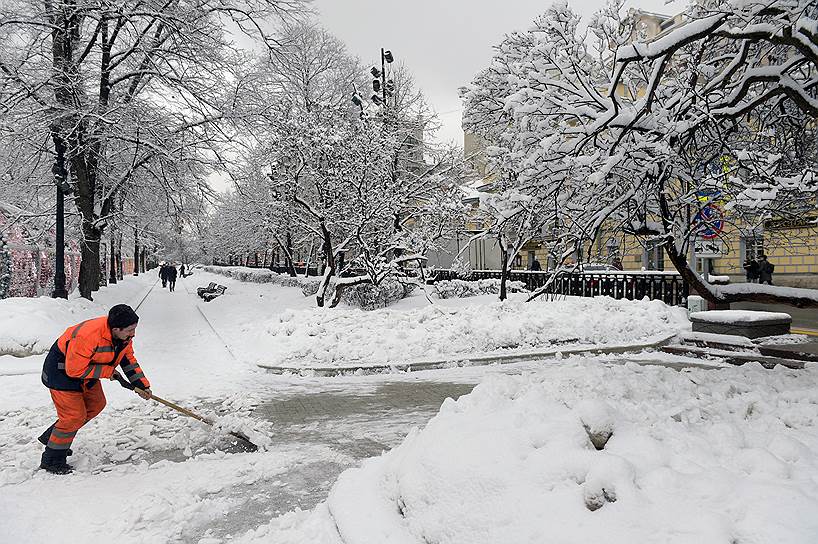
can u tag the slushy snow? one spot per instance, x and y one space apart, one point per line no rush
694 456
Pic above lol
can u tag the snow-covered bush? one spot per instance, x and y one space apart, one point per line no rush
365 296
371 297
463 289
255 275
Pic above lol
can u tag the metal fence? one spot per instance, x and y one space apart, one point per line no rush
667 287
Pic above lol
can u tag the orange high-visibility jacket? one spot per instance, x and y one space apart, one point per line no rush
90 353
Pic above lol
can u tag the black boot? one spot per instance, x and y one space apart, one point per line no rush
43 438
53 461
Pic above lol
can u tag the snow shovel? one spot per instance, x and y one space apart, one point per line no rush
128 385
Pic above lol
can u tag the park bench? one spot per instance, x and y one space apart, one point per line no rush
210 295
202 290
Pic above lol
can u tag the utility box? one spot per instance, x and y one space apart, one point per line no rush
695 303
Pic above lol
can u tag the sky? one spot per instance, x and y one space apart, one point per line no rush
443 42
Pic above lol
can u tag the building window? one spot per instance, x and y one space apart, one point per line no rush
653 257
612 249
752 246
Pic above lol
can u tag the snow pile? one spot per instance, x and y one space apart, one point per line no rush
463 289
28 326
692 456
321 337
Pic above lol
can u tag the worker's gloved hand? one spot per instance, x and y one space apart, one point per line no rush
144 393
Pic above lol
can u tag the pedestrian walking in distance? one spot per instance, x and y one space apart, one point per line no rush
182 270
163 274
765 270
85 354
171 275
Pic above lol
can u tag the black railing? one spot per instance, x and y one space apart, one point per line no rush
669 288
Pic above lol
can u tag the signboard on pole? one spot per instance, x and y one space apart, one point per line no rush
704 248
709 222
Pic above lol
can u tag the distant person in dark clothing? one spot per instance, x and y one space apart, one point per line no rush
171 274
535 265
751 270
182 270
765 270
163 274
617 263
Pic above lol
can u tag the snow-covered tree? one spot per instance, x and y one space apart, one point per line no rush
635 135
125 86
316 170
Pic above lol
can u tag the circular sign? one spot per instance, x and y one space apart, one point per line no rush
709 222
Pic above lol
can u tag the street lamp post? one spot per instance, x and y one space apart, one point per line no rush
382 85
63 189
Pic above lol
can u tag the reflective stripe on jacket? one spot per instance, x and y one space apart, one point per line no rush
86 351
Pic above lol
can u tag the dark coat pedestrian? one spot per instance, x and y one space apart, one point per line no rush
182 270
535 265
163 274
171 275
751 270
765 270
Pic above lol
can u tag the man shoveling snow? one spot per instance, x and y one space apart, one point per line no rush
83 355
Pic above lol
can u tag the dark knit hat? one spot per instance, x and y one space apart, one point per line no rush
122 316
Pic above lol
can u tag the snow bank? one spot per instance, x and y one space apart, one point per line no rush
692 456
326 338
29 326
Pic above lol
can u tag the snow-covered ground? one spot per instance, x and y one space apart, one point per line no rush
294 333
696 456
726 455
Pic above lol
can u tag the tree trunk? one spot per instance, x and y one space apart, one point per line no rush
112 279
120 271
329 271
288 256
89 268
103 265
135 252
503 268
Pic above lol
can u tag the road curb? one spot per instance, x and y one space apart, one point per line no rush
463 361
